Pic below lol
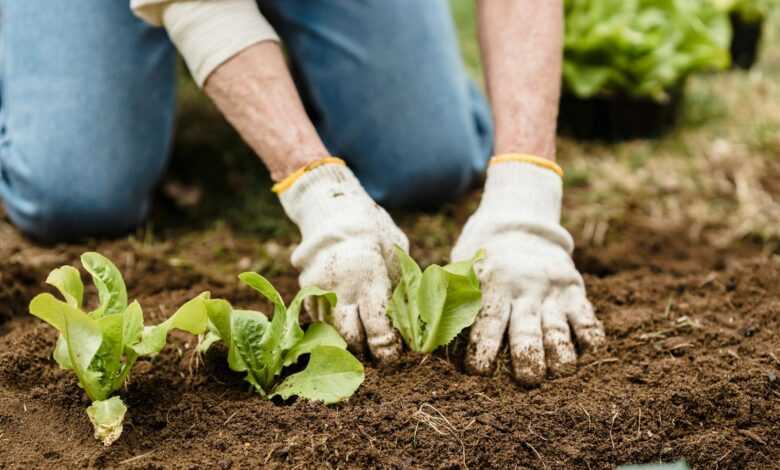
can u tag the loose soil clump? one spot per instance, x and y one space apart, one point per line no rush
690 371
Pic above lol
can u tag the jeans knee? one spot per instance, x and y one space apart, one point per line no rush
73 211
428 173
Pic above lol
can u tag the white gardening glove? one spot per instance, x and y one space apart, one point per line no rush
530 284
347 247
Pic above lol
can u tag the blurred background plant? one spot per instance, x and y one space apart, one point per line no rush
641 48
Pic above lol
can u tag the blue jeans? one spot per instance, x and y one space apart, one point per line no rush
88 101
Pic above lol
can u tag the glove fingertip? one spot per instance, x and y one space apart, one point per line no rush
386 348
561 361
591 338
388 355
479 361
528 376
355 344
528 363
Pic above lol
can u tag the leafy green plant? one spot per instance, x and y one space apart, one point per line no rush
263 348
641 48
430 308
101 346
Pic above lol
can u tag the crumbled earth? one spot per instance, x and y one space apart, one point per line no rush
691 371
679 240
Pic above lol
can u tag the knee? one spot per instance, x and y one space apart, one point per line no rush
427 172
90 176
62 199
67 212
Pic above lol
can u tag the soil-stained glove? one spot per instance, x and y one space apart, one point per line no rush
347 247
530 284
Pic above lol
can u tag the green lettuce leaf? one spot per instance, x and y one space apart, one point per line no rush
252 340
430 308
263 348
220 314
190 317
404 308
82 337
67 280
112 292
61 354
317 334
332 375
641 48
101 347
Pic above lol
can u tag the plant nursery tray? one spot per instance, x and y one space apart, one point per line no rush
745 41
618 117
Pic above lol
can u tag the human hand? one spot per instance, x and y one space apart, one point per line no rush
530 284
347 247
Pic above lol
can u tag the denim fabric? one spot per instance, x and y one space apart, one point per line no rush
385 85
88 96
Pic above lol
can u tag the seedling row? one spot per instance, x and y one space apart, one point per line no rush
428 308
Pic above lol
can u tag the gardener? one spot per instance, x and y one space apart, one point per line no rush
88 111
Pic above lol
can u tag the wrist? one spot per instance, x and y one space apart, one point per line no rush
301 173
525 197
517 143
525 190
535 160
283 169
314 191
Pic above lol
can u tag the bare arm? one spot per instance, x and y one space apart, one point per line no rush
522 43
532 292
255 92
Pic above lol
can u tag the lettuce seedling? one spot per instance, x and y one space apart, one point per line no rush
263 348
430 308
101 346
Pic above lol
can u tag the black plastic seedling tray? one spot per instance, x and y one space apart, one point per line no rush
745 41
618 117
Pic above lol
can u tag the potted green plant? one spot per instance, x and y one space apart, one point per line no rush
626 63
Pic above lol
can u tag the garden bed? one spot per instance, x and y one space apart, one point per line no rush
691 371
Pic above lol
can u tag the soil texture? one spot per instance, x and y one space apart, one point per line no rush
690 371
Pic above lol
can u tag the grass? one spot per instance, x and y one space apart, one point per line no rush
713 178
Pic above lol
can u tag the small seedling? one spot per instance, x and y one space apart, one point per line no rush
263 348
101 346
430 308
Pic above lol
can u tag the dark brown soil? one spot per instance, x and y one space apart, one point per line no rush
691 371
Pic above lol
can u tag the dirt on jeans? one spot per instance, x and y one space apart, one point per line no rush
690 371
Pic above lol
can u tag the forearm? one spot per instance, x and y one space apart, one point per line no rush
233 52
255 92
522 45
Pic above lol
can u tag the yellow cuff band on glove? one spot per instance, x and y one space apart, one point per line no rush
525 158
285 184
